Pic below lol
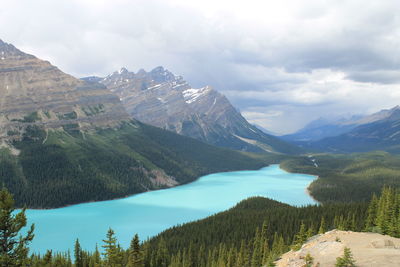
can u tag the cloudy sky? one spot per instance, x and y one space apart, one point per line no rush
282 63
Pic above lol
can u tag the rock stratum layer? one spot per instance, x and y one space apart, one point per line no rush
34 92
167 101
368 249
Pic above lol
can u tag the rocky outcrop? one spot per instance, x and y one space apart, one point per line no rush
167 101
34 92
368 249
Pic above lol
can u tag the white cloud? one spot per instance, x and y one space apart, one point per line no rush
297 58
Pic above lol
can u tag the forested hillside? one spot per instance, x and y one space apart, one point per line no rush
348 177
59 167
253 233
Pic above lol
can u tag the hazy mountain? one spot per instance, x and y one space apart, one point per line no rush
65 141
379 131
167 101
322 128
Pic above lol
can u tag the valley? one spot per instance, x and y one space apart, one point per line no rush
146 153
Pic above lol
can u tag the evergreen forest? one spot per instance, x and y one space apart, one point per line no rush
253 233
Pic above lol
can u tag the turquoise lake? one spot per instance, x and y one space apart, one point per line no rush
152 212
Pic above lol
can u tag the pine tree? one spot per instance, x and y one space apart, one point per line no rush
300 238
96 259
243 257
322 226
310 231
372 212
48 259
13 249
162 255
347 259
256 259
309 260
135 254
112 253
78 254
383 217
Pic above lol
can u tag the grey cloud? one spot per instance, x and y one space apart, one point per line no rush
379 76
316 55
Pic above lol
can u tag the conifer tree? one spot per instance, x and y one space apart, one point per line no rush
201 256
383 217
256 259
310 231
135 254
48 259
243 255
78 254
372 212
162 259
112 253
309 260
13 248
95 259
322 226
300 238
347 259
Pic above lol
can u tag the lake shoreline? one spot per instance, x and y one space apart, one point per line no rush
152 212
131 195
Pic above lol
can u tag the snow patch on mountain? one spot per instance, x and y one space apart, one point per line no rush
192 95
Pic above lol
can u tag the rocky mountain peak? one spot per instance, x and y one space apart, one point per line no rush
160 75
34 92
162 99
123 71
8 51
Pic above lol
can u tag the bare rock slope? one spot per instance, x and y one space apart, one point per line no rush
368 249
167 101
34 92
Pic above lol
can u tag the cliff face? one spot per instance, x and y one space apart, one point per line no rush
34 92
167 101
368 249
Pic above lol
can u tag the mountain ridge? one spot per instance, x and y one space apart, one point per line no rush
165 100
377 131
34 92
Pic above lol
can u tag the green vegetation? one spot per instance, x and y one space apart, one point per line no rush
13 248
256 230
68 116
93 110
347 259
58 168
384 213
353 177
253 233
309 260
34 116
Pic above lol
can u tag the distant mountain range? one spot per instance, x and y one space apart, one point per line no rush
379 131
321 128
66 141
167 101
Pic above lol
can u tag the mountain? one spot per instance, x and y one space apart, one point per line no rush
167 101
379 131
35 93
322 128
65 141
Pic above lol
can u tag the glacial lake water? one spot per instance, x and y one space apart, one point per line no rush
150 213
